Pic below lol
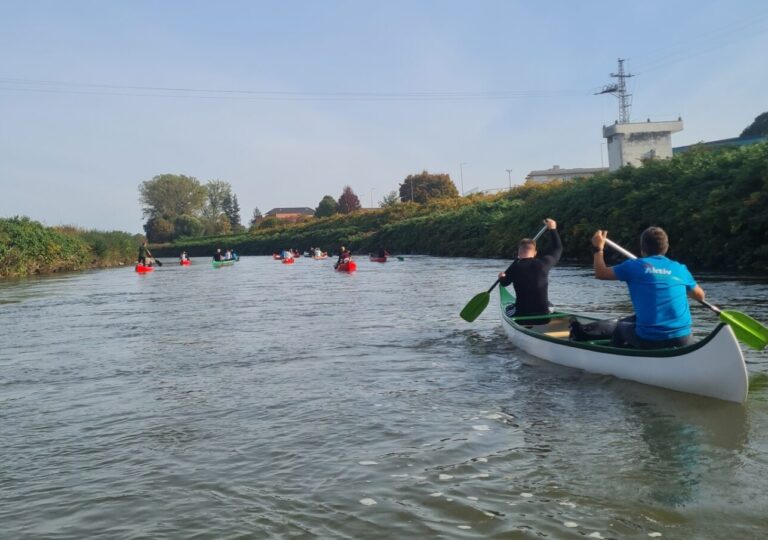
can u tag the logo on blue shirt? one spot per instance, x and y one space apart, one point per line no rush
650 269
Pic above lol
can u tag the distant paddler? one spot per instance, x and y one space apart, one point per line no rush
145 256
344 256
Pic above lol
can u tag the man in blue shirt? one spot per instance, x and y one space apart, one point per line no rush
659 288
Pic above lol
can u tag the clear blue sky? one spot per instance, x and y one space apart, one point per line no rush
291 100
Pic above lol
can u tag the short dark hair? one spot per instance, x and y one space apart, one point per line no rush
526 242
654 241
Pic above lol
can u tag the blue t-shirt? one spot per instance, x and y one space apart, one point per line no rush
658 288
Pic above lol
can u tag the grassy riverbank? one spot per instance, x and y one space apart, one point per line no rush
714 204
27 247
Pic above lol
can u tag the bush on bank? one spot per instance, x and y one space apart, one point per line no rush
713 204
27 247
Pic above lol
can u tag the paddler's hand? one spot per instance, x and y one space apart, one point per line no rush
551 224
502 275
598 239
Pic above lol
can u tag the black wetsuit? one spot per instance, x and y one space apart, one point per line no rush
531 279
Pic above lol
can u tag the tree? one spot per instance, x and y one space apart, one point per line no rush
348 201
217 192
390 199
187 226
232 211
159 230
170 195
758 128
219 216
425 186
255 218
270 222
327 207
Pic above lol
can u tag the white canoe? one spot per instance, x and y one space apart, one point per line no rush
712 367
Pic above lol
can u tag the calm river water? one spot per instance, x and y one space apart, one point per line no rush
268 401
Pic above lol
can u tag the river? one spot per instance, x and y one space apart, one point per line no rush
264 400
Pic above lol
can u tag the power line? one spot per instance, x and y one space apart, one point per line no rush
70 87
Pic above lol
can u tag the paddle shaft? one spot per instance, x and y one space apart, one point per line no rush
630 255
153 257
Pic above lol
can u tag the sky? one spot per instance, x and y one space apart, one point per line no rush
291 100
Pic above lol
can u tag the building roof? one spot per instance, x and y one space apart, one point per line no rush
303 210
557 171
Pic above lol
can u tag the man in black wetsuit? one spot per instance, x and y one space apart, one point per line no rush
529 273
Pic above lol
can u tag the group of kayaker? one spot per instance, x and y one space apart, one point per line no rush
228 255
658 288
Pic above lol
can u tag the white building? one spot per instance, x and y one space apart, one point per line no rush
630 143
556 173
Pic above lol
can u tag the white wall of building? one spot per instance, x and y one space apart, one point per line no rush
634 142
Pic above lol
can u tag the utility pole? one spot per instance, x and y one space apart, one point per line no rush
509 172
461 174
619 90
372 190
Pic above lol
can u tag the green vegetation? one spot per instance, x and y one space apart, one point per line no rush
424 187
177 206
713 204
327 207
27 247
758 128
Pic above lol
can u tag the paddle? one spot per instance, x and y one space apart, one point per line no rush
479 302
747 329
153 258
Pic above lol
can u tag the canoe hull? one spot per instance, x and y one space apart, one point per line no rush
713 367
141 269
379 259
219 264
287 261
185 263
350 266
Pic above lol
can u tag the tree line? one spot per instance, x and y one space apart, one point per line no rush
176 205
712 202
28 247
179 206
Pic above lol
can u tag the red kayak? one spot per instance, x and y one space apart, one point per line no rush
140 268
350 266
378 259
287 261
185 262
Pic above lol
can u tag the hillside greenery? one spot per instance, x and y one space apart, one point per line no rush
27 247
713 204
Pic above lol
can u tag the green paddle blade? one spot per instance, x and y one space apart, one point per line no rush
475 307
747 329
399 258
